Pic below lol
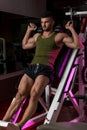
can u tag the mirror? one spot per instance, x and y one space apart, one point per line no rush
12 29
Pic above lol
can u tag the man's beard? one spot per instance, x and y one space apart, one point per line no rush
47 29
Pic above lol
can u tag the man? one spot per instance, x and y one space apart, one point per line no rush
48 44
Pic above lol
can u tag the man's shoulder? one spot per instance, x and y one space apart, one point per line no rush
60 34
36 35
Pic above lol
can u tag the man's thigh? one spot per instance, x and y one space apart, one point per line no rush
39 85
25 85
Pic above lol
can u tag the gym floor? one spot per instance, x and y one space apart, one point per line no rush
67 112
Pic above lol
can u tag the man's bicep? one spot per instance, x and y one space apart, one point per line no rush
32 41
30 44
67 39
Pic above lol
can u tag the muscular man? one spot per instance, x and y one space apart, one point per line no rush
48 44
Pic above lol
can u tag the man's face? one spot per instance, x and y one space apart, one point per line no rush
47 23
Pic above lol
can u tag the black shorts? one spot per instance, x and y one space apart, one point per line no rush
34 70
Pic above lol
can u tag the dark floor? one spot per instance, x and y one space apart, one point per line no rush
67 113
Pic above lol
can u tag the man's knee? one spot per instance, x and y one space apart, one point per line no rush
34 94
19 97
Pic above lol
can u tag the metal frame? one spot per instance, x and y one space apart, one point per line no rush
64 89
3 53
75 13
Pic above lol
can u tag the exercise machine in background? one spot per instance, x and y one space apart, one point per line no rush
2 56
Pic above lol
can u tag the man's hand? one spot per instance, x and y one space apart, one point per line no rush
69 25
32 27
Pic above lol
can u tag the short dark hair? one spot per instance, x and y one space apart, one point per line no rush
47 14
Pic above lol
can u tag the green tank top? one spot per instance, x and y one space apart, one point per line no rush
46 51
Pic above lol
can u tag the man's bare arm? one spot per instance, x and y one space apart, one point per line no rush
74 41
28 42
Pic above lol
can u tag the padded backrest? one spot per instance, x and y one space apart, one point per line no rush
60 65
62 60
